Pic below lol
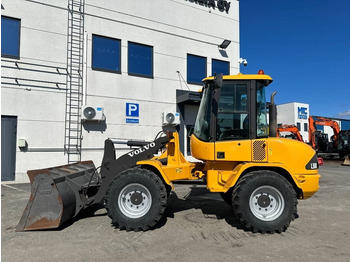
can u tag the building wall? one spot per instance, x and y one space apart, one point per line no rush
174 28
295 114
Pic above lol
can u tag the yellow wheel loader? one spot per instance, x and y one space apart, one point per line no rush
260 175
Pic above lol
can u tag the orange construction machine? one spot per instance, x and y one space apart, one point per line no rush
314 138
292 129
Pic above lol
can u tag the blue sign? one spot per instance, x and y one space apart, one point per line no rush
132 110
132 120
302 112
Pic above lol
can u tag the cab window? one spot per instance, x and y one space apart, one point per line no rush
232 114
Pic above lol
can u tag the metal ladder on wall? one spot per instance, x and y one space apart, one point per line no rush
74 95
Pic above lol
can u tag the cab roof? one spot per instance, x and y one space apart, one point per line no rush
241 76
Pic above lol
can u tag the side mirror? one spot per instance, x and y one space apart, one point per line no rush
218 80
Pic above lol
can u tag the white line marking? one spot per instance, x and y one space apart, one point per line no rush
14 188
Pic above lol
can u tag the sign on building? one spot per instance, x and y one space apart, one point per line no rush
302 112
132 113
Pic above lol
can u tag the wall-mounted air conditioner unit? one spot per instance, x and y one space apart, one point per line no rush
92 113
170 118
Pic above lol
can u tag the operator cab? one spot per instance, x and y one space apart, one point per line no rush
233 107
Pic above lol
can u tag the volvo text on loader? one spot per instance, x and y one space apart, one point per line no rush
260 176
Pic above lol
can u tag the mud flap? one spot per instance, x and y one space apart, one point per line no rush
57 195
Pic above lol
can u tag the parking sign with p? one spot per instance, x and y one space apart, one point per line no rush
132 110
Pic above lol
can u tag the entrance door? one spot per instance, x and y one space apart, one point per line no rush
8 147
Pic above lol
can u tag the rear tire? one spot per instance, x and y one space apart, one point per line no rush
265 201
136 200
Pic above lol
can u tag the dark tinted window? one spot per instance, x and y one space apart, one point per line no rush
105 53
220 67
189 129
10 37
196 69
305 127
298 126
140 60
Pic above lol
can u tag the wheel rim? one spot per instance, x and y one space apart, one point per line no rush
266 203
134 200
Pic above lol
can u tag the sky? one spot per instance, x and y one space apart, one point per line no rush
304 45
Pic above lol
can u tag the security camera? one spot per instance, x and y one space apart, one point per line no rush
243 61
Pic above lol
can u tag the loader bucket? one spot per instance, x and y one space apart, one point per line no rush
57 195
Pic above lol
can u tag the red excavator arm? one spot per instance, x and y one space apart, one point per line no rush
290 128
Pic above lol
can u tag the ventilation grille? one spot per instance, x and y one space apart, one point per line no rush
259 152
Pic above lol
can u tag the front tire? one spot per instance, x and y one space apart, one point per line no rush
136 200
265 201
227 196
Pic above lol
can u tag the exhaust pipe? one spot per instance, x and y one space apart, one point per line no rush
273 116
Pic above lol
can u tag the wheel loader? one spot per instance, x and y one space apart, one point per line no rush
258 174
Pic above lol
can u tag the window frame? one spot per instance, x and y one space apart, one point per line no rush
218 60
105 69
152 61
19 38
206 69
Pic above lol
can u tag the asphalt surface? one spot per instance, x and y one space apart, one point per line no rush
197 226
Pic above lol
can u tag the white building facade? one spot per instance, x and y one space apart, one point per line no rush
295 114
135 60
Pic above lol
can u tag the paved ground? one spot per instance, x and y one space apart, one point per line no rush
198 226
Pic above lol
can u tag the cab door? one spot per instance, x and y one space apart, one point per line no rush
232 122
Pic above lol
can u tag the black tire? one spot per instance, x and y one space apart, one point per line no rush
227 197
265 201
136 200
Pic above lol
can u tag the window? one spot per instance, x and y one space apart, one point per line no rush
201 126
196 69
189 129
10 37
140 60
220 67
261 112
298 126
305 127
232 117
106 54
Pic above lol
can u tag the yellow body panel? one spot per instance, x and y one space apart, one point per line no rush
202 150
237 150
240 150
